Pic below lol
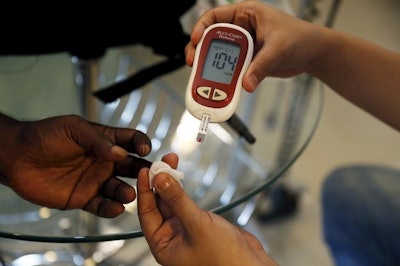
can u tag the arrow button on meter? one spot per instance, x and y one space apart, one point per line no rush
219 95
204 92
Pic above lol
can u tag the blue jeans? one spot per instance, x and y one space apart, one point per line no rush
361 215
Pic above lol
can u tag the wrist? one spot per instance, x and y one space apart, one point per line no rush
324 46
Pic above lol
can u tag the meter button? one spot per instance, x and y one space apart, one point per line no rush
204 92
219 95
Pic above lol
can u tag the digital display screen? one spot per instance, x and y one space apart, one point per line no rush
221 60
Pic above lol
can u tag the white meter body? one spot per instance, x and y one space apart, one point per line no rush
221 59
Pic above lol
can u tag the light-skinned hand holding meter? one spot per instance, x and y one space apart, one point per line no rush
215 84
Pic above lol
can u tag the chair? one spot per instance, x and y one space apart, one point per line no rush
86 35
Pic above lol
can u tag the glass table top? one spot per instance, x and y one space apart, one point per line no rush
221 173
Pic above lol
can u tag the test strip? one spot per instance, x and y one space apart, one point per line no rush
201 135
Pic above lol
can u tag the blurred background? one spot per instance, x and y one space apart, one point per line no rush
345 135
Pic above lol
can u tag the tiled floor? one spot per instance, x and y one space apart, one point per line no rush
345 134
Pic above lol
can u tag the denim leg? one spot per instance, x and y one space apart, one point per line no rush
361 215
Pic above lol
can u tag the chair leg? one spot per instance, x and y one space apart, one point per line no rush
87 75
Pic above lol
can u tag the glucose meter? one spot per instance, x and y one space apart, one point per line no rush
221 59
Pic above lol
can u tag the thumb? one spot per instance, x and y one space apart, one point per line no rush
179 202
261 66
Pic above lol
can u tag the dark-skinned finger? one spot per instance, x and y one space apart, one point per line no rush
131 166
118 190
132 140
104 208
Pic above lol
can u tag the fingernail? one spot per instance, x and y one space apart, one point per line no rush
142 143
145 149
162 184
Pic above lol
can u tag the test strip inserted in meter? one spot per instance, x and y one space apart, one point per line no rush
215 83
